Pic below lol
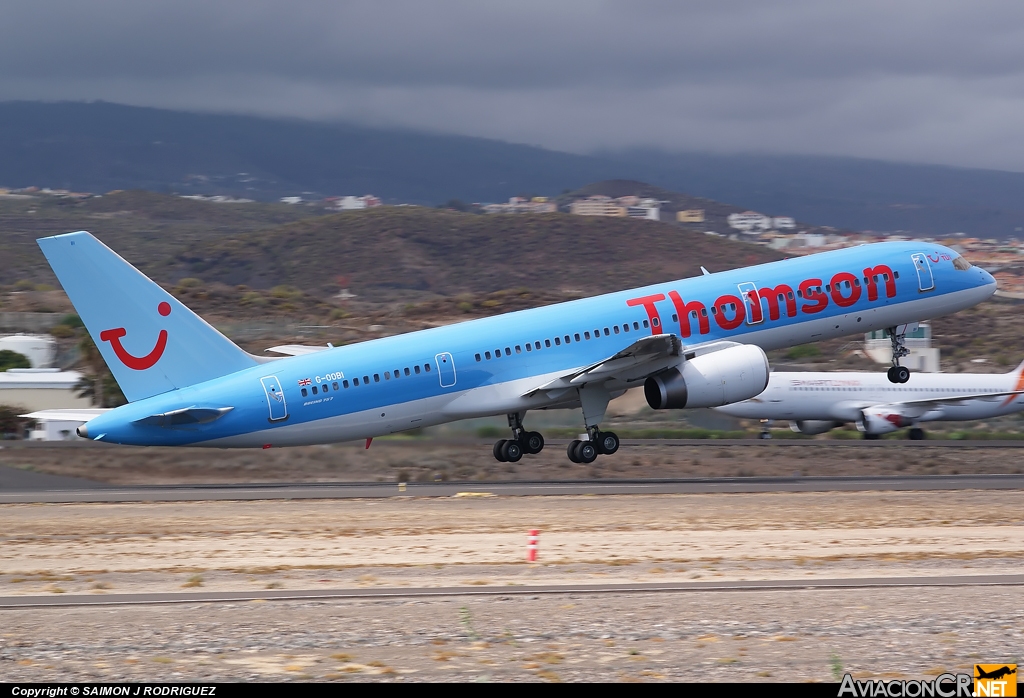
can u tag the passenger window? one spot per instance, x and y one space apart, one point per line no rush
304 393
486 353
376 378
314 390
547 342
567 340
646 325
856 282
586 335
616 328
416 368
366 380
508 351
345 383
625 327
478 357
558 342
387 375
407 371
335 385
355 382
426 367
714 310
529 347
896 274
577 336
537 344
790 295
497 353
519 349
606 332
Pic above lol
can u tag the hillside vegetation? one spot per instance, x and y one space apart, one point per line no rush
391 250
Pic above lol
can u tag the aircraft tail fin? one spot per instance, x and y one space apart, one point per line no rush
150 340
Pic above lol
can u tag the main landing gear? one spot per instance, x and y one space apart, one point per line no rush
598 443
522 441
897 373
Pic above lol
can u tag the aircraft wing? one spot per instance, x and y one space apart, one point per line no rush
67 415
296 349
639 360
955 398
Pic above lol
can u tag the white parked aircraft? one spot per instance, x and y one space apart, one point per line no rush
815 402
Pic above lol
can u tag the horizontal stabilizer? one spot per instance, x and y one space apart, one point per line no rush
188 416
296 349
66 415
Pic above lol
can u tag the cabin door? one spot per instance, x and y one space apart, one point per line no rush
751 303
925 280
445 369
275 398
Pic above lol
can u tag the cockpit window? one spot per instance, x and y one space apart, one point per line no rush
961 263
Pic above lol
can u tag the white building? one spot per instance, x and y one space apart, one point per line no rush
749 222
38 349
649 209
784 223
355 203
518 204
36 389
291 200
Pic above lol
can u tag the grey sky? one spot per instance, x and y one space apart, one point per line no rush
921 80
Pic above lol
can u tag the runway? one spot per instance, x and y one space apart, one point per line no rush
519 590
60 493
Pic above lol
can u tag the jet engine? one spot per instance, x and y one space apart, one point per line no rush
710 380
882 420
814 426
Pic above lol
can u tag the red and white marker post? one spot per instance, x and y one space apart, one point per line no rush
531 545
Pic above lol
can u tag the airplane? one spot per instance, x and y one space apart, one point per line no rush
696 342
994 674
817 402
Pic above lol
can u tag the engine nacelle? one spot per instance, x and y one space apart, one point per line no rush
814 426
710 380
882 420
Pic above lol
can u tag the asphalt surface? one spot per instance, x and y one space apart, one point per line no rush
404 592
59 490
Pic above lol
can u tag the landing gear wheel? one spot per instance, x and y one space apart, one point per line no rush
511 451
891 375
902 374
498 445
570 450
916 434
586 452
607 442
533 442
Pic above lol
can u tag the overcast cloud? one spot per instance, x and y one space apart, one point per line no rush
922 80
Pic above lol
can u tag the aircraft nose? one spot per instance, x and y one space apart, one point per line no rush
987 279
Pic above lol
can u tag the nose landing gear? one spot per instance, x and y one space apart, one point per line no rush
898 374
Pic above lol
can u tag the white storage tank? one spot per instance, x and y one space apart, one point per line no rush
38 349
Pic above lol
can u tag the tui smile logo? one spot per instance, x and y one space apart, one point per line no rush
138 363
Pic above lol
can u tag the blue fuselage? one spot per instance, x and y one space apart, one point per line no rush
485 366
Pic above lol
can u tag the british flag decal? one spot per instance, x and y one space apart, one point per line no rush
304 381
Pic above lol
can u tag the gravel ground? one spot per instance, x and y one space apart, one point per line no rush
427 460
796 635
700 636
